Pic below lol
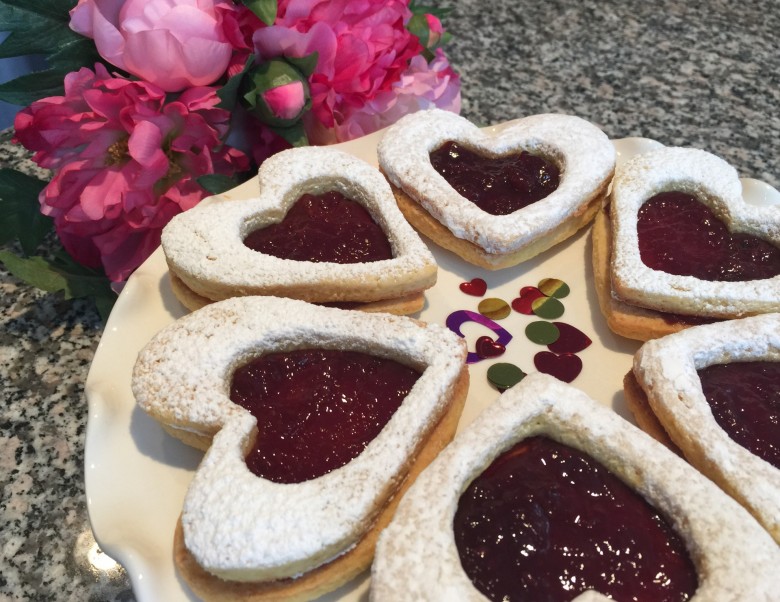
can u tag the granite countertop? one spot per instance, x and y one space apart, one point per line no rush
680 74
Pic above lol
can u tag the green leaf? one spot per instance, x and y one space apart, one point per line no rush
42 28
35 271
418 9
35 27
228 93
264 9
295 134
81 281
75 54
305 64
28 88
217 183
20 215
62 274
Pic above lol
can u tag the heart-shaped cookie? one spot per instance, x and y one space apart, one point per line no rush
209 260
577 150
418 556
714 184
668 372
261 533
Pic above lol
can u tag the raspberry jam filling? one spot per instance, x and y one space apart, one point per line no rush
316 409
680 235
547 522
497 185
323 228
745 402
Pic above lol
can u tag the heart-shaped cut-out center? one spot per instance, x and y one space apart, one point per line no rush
564 366
745 402
497 185
476 287
487 347
317 409
545 521
323 228
680 235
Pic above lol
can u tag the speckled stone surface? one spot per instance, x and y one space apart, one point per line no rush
671 71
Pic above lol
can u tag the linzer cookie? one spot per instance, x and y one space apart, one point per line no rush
324 228
315 421
715 391
497 199
679 246
549 495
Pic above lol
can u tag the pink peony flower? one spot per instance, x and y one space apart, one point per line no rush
174 44
422 86
367 61
126 162
239 25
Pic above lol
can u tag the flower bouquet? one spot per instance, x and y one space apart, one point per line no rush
148 106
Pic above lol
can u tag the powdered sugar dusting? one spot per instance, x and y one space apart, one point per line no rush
584 154
204 246
667 369
245 528
734 557
713 182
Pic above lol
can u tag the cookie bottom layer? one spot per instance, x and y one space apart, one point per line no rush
400 306
426 224
643 414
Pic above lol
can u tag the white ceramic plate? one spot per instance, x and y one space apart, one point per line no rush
136 475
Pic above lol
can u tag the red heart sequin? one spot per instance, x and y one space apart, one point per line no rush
476 287
570 339
565 367
487 347
527 296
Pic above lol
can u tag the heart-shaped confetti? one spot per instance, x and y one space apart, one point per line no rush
571 339
487 347
564 366
476 287
528 294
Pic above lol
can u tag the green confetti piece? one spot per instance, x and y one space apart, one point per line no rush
548 308
552 287
494 308
542 333
504 376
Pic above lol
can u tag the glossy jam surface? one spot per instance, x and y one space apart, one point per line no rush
316 409
681 236
745 402
547 522
497 185
323 228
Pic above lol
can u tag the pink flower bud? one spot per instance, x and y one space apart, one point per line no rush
287 101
